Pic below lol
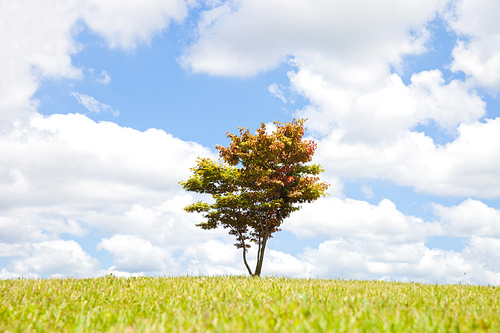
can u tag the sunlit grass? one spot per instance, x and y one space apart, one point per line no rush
238 304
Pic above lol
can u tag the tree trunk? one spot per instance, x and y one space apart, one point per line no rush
260 257
245 253
245 260
258 252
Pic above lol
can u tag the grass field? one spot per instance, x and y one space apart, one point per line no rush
239 304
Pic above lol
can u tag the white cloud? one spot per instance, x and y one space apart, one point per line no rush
277 263
13 250
471 217
72 152
216 252
353 41
68 174
277 91
485 253
477 52
336 217
6 274
448 105
35 224
91 104
356 259
63 257
125 23
381 114
213 257
133 254
37 42
15 229
104 77
372 241
462 168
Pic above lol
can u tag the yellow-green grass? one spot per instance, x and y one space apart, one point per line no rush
239 304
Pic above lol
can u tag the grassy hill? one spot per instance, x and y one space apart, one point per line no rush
240 304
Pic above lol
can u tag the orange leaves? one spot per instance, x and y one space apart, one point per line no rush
289 180
273 164
277 145
283 146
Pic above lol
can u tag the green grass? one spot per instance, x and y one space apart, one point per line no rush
238 304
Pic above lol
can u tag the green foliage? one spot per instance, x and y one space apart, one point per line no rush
237 304
261 179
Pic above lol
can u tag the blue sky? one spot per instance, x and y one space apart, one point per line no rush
149 80
105 106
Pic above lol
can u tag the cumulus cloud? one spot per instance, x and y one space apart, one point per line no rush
125 23
68 174
213 257
33 224
382 114
277 263
477 52
337 217
73 149
353 41
471 217
64 257
448 105
6 274
216 257
378 241
133 254
484 252
352 258
461 168
43 47
62 166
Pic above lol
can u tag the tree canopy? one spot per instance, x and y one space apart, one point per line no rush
259 180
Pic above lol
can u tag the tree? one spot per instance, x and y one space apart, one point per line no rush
259 180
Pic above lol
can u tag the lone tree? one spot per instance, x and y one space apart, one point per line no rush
258 182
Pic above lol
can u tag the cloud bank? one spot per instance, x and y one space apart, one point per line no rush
67 176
